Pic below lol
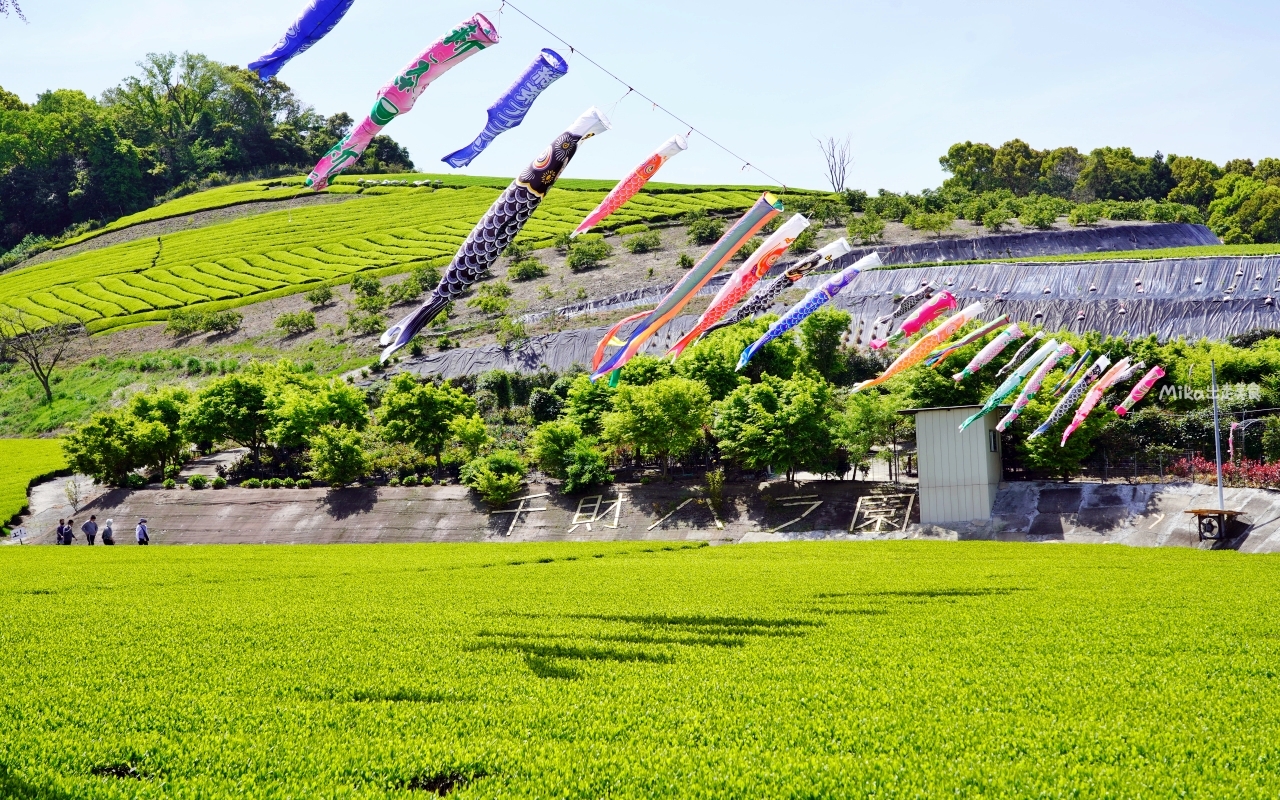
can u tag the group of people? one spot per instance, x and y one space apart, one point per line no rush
67 532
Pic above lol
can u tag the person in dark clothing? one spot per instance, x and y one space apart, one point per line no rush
141 532
61 531
69 531
90 529
107 534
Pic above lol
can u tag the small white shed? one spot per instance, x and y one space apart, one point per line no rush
959 473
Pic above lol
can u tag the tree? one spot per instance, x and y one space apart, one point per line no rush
234 409
644 369
471 433
39 345
419 414
544 405
838 156
585 467
867 421
162 443
780 424
551 444
970 166
713 360
1016 167
587 404
495 477
102 447
1195 177
1115 173
299 404
664 419
822 333
1059 171
338 455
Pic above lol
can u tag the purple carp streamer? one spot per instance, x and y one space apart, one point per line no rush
312 25
943 353
1094 396
399 96
1005 338
1021 351
763 299
509 110
1071 373
1012 382
1072 397
498 227
811 303
1029 391
1140 391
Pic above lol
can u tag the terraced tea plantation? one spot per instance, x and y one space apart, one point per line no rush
287 251
21 462
639 670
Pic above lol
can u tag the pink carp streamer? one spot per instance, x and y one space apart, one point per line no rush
1094 396
1140 391
922 316
1029 391
1012 382
743 279
629 186
924 345
398 97
997 345
943 353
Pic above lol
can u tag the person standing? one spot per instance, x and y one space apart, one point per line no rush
90 529
107 534
60 531
69 531
141 532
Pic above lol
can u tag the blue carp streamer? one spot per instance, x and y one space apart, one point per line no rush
316 20
509 110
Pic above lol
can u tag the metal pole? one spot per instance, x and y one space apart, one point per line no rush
1217 436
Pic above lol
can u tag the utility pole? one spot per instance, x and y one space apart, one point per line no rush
1217 437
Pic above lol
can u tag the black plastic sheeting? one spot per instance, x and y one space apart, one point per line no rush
1191 297
1135 236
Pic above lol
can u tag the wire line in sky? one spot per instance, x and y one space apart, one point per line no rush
631 89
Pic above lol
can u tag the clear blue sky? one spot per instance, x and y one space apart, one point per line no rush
905 78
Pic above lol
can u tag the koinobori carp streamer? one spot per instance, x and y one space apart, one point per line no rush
509 110
398 97
1003 339
629 186
1072 396
1140 391
761 300
498 227
1093 397
1012 382
743 279
943 353
1033 385
924 345
930 310
764 209
811 303
312 25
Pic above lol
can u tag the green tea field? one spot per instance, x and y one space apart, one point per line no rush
899 669
21 462
283 252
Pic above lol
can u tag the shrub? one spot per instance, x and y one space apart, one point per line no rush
135 481
252 483
866 229
996 218
805 241
704 231
219 482
393 482
288 483
184 321
685 261
427 480
320 296
526 270
365 285
369 324
495 477
405 291
644 243
551 444
563 242
1038 214
627 230
197 481
489 304
751 245
409 480
1084 214
518 251
854 199
222 321
169 483
545 405
585 466
585 255
303 483
338 455
296 322
934 223
194 366
444 342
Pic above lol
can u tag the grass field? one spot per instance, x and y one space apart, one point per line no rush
283 252
639 670
21 462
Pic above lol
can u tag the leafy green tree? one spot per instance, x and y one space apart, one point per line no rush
419 413
163 442
1060 170
103 447
784 424
713 360
934 223
1195 177
644 369
664 419
1115 173
233 409
544 405
970 166
865 229
495 477
585 467
299 404
471 434
865 423
822 333
338 455
551 444
1016 167
587 403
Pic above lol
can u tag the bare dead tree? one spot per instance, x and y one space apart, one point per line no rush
34 342
839 155
5 5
